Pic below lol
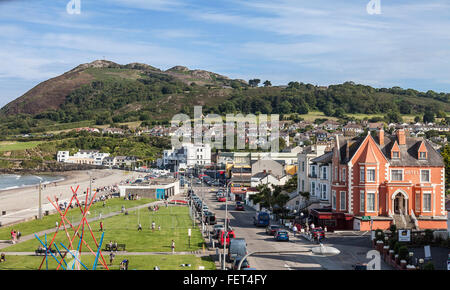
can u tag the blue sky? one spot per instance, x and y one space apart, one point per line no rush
320 42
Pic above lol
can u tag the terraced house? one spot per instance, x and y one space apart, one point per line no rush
383 180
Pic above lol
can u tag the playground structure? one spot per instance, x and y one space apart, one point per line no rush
70 251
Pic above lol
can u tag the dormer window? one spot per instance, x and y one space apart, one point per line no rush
395 154
422 155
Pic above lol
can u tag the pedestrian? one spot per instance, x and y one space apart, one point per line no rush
19 234
173 246
111 257
2 258
101 226
153 226
139 227
159 228
57 225
14 235
110 245
294 229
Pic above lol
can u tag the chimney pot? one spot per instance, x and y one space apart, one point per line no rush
381 136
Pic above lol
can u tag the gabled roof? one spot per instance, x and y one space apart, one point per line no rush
408 152
325 158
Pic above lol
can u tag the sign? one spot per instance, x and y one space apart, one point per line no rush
189 232
427 252
404 235
365 218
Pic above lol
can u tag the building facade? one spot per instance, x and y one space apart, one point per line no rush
384 180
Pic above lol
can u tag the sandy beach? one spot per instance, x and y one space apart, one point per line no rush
23 202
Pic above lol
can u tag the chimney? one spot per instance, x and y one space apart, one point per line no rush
381 136
347 150
401 136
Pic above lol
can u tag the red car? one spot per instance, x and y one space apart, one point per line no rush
239 206
222 199
222 234
318 233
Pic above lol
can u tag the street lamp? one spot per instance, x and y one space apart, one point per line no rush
225 225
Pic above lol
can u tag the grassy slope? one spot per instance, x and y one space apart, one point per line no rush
174 221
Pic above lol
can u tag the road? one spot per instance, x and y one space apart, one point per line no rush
353 248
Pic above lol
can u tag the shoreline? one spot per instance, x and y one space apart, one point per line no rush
22 203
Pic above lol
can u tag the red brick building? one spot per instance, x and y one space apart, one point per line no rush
391 179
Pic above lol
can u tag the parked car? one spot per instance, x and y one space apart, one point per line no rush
222 235
318 234
272 229
210 218
222 199
216 229
239 206
281 235
238 248
245 264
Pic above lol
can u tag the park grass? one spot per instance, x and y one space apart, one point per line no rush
14 146
144 262
174 221
48 222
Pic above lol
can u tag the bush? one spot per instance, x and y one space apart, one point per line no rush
393 229
397 247
379 235
428 236
403 253
428 266
392 242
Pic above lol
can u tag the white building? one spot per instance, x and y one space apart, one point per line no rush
188 155
93 157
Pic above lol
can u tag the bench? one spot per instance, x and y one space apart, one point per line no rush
41 252
120 247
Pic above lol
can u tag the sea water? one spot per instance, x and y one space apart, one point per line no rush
11 181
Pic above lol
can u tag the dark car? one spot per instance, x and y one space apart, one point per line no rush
272 229
239 206
244 265
210 218
282 235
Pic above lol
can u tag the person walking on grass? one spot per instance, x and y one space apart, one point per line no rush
153 226
159 228
173 246
111 257
101 226
139 227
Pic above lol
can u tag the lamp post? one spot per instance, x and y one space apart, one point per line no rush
225 225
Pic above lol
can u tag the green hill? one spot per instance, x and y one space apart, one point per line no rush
104 92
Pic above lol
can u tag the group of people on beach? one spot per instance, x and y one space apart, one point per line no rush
15 236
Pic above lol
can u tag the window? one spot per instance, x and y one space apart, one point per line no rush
303 166
324 192
395 154
343 174
361 201
324 173
303 185
361 174
371 201
313 171
313 188
335 177
427 201
425 175
422 155
343 200
396 175
370 175
418 201
333 199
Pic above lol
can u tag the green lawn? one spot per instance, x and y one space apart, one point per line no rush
47 222
12 145
164 262
174 221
